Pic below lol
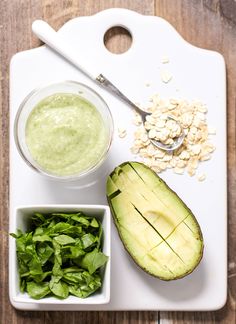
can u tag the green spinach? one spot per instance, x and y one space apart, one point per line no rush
60 255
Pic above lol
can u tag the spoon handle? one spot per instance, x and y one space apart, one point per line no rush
108 85
50 37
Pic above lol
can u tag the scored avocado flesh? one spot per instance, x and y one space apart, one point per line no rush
156 227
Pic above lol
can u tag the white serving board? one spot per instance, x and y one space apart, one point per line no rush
197 74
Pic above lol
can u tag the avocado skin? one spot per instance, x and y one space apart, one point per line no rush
198 229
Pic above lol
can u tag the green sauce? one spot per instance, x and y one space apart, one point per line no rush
65 134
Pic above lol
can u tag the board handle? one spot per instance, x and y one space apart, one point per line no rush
51 38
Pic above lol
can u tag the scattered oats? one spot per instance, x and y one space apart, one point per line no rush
144 155
148 125
163 116
178 152
184 155
134 150
198 136
181 164
122 132
193 163
208 147
191 171
178 170
136 136
122 135
155 163
171 106
160 123
168 166
211 130
202 108
149 162
147 84
190 137
200 116
156 100
137 121
152 133
144 137
169 141
166 76
174 101
193 130
205 157
201 177
173 163
162 166
167 157
159 153
151 150
165 59
156 169
196 147
170 124
186 119
149 119
138 143
196 123
149 109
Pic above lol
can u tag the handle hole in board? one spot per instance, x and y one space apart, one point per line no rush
117 40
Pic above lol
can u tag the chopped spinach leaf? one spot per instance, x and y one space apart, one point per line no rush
93 260
37 290
60 255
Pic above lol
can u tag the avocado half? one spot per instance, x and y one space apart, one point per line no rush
157 229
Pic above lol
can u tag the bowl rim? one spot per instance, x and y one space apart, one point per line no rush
44 301
74 177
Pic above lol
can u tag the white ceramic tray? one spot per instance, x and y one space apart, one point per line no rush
197 73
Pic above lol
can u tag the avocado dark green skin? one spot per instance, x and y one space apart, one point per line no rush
118 229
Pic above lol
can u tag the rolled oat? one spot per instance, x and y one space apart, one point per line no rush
196 146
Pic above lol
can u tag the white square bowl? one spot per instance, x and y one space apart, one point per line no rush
20 218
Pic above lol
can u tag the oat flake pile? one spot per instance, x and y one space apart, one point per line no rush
196 146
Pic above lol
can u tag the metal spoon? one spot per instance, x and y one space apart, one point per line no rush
50 37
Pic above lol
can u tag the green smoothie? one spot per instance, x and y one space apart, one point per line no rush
65 134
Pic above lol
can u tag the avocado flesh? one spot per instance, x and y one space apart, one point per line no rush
186 245
158 187
140 246
165 194
111 187
148 204
164 241
148 244
148 236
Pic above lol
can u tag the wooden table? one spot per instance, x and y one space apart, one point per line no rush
207 23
